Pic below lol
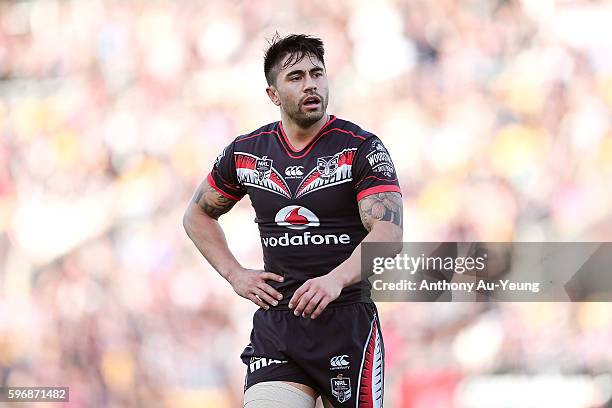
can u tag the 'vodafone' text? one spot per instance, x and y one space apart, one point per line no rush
306 239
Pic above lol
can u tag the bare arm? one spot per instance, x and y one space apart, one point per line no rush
381 215
202 227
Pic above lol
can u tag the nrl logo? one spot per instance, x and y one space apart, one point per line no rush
263 167
327 166
341 388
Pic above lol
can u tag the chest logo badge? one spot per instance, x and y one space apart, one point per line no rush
258 172
329 171
263 168
296 217
327 166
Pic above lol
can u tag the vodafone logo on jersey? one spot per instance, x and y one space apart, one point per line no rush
296 217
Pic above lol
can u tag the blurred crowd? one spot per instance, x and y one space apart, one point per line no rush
498 114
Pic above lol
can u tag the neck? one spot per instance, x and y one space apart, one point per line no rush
299 136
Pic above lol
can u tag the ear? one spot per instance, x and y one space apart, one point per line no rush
273 95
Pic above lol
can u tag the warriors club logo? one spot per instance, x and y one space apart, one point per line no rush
327 166
296 217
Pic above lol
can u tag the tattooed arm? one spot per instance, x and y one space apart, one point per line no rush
211 201
381 215
202 227
381 207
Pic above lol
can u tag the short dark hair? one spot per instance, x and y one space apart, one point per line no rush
296 45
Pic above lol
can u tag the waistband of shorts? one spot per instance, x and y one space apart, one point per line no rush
285 307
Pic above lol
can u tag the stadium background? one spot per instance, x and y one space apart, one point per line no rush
498 116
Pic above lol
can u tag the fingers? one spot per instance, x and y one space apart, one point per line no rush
270 291
271 276
304 301
258 301
314 301
251 284
322 305
298 294
261 294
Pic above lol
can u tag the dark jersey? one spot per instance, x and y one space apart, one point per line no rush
306 201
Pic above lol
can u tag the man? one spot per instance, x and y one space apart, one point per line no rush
319 185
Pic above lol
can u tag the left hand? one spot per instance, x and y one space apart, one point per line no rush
314 295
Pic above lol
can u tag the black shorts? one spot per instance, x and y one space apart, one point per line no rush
340 354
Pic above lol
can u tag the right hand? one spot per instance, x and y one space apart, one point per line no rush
251 284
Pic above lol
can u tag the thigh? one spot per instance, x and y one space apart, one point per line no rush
344 355
266 358
279 394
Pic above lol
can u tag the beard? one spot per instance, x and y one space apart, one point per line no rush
305 117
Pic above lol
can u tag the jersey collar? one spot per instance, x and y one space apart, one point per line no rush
298 154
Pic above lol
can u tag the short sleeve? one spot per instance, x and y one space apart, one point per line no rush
373 169
223 175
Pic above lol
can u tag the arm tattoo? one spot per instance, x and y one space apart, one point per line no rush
213 203
381 207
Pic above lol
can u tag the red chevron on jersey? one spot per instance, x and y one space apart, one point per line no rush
330 171
258 172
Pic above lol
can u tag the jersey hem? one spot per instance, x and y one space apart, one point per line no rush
285 307
378 189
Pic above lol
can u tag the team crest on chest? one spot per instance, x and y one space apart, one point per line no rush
330 171
327 166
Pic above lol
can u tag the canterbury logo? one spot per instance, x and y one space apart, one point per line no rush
294 171
339 361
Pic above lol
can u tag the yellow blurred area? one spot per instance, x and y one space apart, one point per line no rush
439 200
7 352
118 369
518 150
523 93
66 148
605 85
7 206
595 316
604 156
184 398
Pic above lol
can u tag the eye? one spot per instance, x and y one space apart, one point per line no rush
294 78
318 74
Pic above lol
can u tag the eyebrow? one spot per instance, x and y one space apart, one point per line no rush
300 71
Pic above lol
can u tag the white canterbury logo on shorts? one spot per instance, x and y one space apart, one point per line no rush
339 361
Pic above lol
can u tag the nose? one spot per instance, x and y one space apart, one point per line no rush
310 84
